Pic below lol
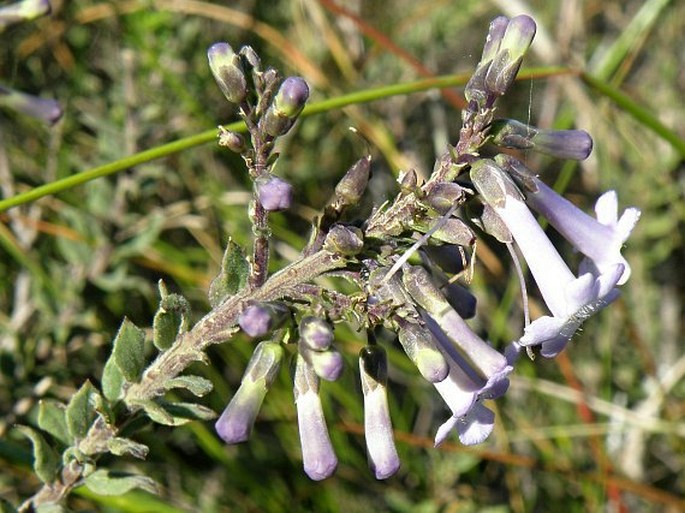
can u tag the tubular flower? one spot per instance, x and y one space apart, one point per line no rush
570 299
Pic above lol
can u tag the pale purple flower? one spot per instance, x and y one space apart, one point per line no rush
316 333
291 97
599 239
318 457
570 299
260 319
380 443
236 422
43 109
473 428
327 364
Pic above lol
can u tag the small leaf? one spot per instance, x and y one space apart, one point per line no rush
80 411
121 446
105 482
158 414
51 419
46 462
170 320
112 381
190 411
128 351
197 385
233 275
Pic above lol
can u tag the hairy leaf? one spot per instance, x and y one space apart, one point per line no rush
233 275
46 461
170 320
128 351
105 482
51 419
121 446
80 411
197 385
112 381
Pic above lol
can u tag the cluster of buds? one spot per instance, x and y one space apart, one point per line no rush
419 301
268 113
44 109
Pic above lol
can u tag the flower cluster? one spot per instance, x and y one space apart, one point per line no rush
417 301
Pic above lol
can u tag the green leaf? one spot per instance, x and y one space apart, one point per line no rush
51 419
80 411
128 351
105 482
46 461
197 385
170 320
175 414
121 446
190 411
233 275
158 414
112 381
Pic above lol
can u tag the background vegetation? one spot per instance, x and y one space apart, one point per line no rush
599 429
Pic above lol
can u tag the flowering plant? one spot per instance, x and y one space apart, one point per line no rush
397 284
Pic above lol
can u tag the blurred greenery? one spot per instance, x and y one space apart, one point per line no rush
601 428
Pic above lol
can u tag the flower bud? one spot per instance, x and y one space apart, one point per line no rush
352 186
443 196
563 144
274 193
238 418
231 140
493 225
43 109
327 364
380 444
496 31
291 97
316 333
228 72
260 319
515 42
455 231
408 180
420 345
344 240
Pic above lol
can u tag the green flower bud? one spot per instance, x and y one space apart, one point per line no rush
228 72
443 196
231 140
351 187
493 184
344 240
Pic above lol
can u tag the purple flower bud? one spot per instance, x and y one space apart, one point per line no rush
351 187
228 71
316 333
25 10
237 420
505 65
563 144
318 457
327 364
43 109
259 319
291 97
274 193
344 240
380 444
496 31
